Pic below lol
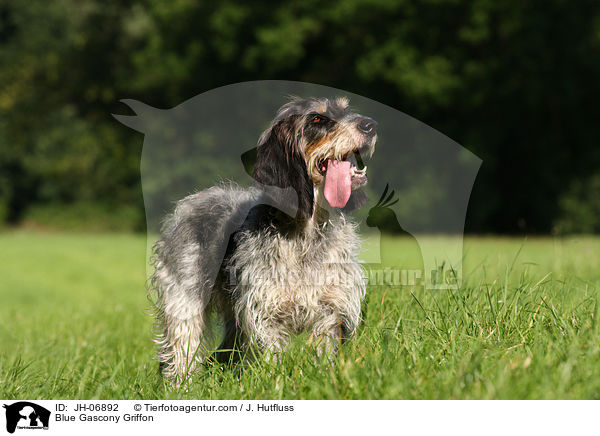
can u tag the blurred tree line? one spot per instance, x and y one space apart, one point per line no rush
516 82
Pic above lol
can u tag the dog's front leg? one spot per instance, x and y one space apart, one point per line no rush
328 335
266 336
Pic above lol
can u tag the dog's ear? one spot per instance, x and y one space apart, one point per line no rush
280 163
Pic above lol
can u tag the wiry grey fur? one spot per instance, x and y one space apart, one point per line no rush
268 274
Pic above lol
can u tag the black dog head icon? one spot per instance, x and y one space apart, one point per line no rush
30 412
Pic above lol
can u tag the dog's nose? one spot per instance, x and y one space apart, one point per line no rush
367 125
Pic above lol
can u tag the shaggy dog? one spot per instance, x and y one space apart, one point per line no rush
276 274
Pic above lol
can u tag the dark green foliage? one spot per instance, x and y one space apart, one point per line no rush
580 206
514 82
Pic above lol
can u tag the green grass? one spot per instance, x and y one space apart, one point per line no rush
74 323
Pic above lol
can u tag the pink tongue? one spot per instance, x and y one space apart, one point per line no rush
337 183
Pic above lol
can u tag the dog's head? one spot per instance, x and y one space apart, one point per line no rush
316 143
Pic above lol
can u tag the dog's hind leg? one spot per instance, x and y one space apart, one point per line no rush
182 346
183 333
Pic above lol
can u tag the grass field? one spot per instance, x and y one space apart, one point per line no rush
74 323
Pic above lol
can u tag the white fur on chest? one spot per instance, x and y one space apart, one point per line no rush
295 282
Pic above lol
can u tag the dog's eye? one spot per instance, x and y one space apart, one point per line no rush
318 119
